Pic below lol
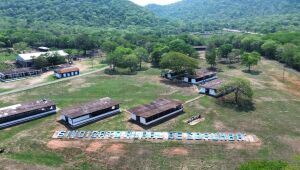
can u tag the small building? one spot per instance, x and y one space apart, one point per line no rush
43 49
200 48
156 111
90 112
66 72
200 76
212 88
20 113
25 60
169 74
20 73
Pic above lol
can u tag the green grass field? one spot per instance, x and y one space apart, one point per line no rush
274 119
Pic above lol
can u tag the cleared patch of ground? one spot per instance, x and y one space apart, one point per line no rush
178 151
116 148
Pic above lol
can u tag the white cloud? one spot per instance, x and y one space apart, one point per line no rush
160 2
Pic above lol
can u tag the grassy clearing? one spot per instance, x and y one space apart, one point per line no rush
275 120
49 159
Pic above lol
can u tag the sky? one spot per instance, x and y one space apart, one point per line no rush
160 2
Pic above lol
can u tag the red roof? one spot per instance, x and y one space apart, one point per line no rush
67 70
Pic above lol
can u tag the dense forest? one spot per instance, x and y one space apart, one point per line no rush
121 28
100 13
252 15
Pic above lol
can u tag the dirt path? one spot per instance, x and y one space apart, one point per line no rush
48 83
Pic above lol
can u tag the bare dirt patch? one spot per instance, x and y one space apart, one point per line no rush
294 143
220 126
252 142
178 151
116 149
113 160
60 145
94 146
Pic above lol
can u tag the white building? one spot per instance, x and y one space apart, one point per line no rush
25 60
90 112
156 111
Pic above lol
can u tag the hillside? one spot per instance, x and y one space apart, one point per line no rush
232 13
99 13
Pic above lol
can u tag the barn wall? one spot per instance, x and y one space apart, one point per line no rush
79 119
133 116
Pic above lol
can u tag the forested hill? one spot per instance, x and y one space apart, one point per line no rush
112 13
252 15
220 9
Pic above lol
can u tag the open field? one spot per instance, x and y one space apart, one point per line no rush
84 65
274 119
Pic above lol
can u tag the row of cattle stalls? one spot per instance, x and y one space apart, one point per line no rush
66 72
199 77
20 73
213 88
156 111
206 80
78 116
81 115
20 113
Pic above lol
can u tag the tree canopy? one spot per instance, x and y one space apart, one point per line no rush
178 62
250 59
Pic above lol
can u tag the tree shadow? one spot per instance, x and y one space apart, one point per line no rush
252 72
215 69
244 106
116 72
232 67
176 83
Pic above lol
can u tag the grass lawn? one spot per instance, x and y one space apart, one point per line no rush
274 119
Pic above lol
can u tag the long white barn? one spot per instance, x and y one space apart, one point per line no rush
25 60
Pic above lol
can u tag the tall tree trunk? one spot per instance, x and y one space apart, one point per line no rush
141 64
236 96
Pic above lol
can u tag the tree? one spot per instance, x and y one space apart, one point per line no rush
2 44
242 89
178 62
40 62
85 42
251 43
269 49
181 46
211 56
109 46
20 47
224 50
287 53
158 52
250 59
115 58
55 59
131 61
233 55
142 55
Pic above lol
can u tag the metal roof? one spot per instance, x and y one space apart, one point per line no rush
202 74
154 108
90 107
30 56
67 70
18 71
214 84
25 107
